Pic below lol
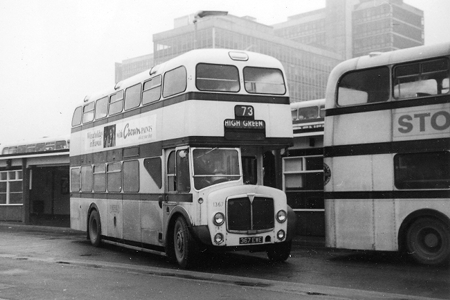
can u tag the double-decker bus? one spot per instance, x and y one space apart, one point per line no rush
308 117
387 142
303 167
174 160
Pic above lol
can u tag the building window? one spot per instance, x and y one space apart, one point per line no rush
303 173
11 187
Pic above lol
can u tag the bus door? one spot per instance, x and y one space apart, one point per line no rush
178 184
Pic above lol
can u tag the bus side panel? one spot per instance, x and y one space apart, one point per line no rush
330 223
351 173
369 127
78 218
351 232
361 174
151 222
131 220
113 218
385 228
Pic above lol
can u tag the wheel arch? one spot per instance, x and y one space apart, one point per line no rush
176 212
413 217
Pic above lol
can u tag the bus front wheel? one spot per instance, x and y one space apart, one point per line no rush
279 252
95 228
428 241
185 247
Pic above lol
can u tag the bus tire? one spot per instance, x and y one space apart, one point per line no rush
95 228
428 241
279 252
185 248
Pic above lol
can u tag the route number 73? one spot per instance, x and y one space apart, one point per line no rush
244 111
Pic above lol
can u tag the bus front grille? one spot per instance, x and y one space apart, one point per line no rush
250 216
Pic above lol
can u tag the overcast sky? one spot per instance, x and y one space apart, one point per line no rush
53 52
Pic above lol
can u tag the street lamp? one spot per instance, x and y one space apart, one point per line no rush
202 14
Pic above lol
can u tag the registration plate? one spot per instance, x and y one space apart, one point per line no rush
251 240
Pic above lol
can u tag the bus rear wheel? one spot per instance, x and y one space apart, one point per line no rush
428 241
279 252
95 228
185 247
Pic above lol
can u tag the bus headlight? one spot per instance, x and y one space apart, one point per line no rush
219 219
218 238
281 216
281 235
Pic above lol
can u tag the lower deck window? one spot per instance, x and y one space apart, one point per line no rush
422 170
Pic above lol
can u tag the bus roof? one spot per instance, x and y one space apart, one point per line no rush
191 58
383 59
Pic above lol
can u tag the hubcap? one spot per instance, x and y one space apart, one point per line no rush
431 240
180 241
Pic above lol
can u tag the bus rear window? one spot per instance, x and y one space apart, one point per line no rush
364 86
429 170
264 81
217 78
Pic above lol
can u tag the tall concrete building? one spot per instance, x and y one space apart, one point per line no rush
307 66
354 28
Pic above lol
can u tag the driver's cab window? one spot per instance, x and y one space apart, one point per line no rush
178 179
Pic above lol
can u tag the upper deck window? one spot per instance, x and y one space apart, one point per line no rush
116 103
133 96
364 86
152 90
421 79
77 115
101 108
175 81
223 78
88 112
264 81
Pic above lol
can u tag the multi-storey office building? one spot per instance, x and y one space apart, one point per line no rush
354 28
307 66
